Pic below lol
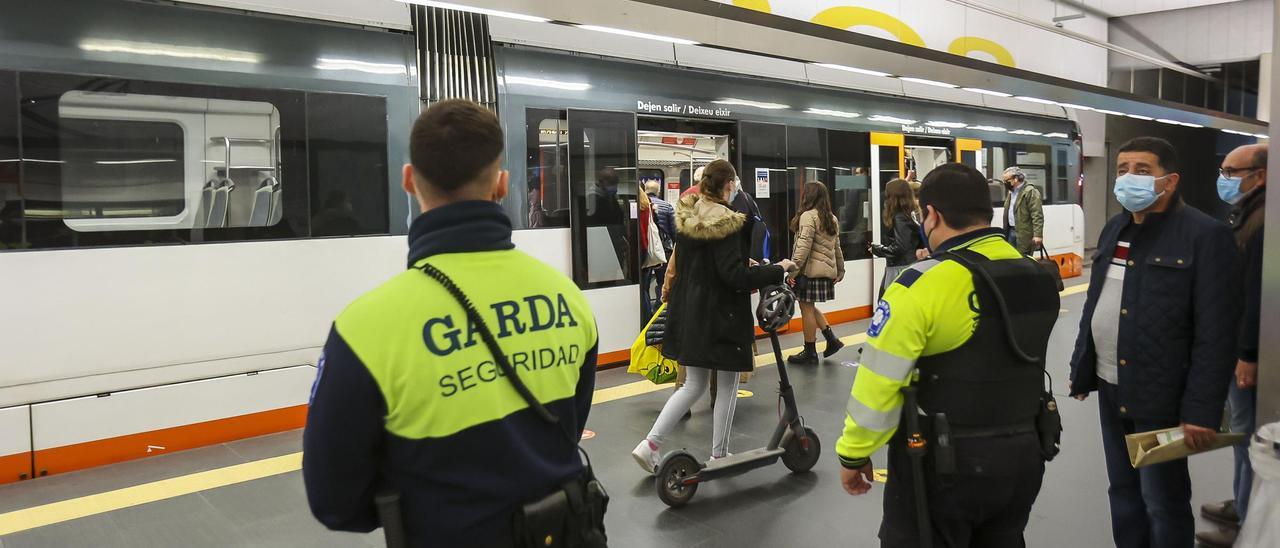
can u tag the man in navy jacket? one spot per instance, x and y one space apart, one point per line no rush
1157 340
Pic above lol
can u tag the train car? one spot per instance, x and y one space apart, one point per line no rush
585 132
183 212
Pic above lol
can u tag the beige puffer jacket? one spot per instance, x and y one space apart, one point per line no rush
817 253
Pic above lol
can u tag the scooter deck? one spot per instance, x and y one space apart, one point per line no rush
740 463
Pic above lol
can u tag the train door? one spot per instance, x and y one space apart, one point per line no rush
762 167
604 213
970 152
670 151
887 150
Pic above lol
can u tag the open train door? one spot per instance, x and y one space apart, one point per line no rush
604 215
886 165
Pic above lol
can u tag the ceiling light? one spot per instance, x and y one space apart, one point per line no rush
1056 135
891 119
836 113
1075 106
1189 124
989 92
1111 112
1262 136
855 70
754 104
361 66
1140 117
542 83
130 162
472 9
1026 132
988 128
1036 100
934 83
643 35
171 50
1234 132
952 125
1168 121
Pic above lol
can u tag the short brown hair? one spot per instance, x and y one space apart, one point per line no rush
453 143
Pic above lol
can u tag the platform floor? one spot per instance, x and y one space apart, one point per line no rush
193 507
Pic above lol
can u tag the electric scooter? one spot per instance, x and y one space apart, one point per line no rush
794 443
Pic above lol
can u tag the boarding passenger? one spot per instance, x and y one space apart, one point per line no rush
820 266
664 216
953 380
901 232
710 326
756 247
1243 184
1023 212
408 396
1157 339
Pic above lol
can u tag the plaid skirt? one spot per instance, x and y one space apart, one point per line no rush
818 290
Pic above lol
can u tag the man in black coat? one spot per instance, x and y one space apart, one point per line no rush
1243 184
1157 340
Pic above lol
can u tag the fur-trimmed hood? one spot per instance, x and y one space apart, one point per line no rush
708 220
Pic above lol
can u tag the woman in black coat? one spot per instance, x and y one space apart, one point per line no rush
901 234
709 319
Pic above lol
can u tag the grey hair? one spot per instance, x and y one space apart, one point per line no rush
1016 172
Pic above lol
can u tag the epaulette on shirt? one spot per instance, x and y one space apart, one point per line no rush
910 275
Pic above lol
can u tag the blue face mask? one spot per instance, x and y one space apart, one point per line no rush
1137 192
1229 189
733 194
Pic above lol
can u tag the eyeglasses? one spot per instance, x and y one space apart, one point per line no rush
1230 172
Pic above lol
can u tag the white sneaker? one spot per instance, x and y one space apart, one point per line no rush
646 455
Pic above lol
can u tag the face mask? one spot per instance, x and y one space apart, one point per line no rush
733 194
927 233
1229 189
1137 192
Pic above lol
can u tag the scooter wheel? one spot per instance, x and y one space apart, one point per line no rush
671 476
800 457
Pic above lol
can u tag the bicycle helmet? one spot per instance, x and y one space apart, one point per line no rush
777 306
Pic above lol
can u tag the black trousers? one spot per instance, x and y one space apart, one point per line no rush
986 504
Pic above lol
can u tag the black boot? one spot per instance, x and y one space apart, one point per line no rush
807 357
834 344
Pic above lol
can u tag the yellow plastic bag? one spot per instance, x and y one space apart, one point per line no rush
649 362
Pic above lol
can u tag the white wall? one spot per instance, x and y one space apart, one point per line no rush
940 22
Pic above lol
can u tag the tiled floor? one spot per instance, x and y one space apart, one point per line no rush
766 508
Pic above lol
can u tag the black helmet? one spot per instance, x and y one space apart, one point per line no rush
777 306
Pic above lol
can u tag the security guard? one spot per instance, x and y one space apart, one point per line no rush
408 397
966 330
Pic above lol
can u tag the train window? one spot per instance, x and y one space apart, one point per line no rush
850 154
108 161
10 164
546 175
121 169
347 153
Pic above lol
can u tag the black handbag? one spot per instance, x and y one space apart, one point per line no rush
571 516
1050 266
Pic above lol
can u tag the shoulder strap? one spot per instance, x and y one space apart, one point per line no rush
499 357
975 262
